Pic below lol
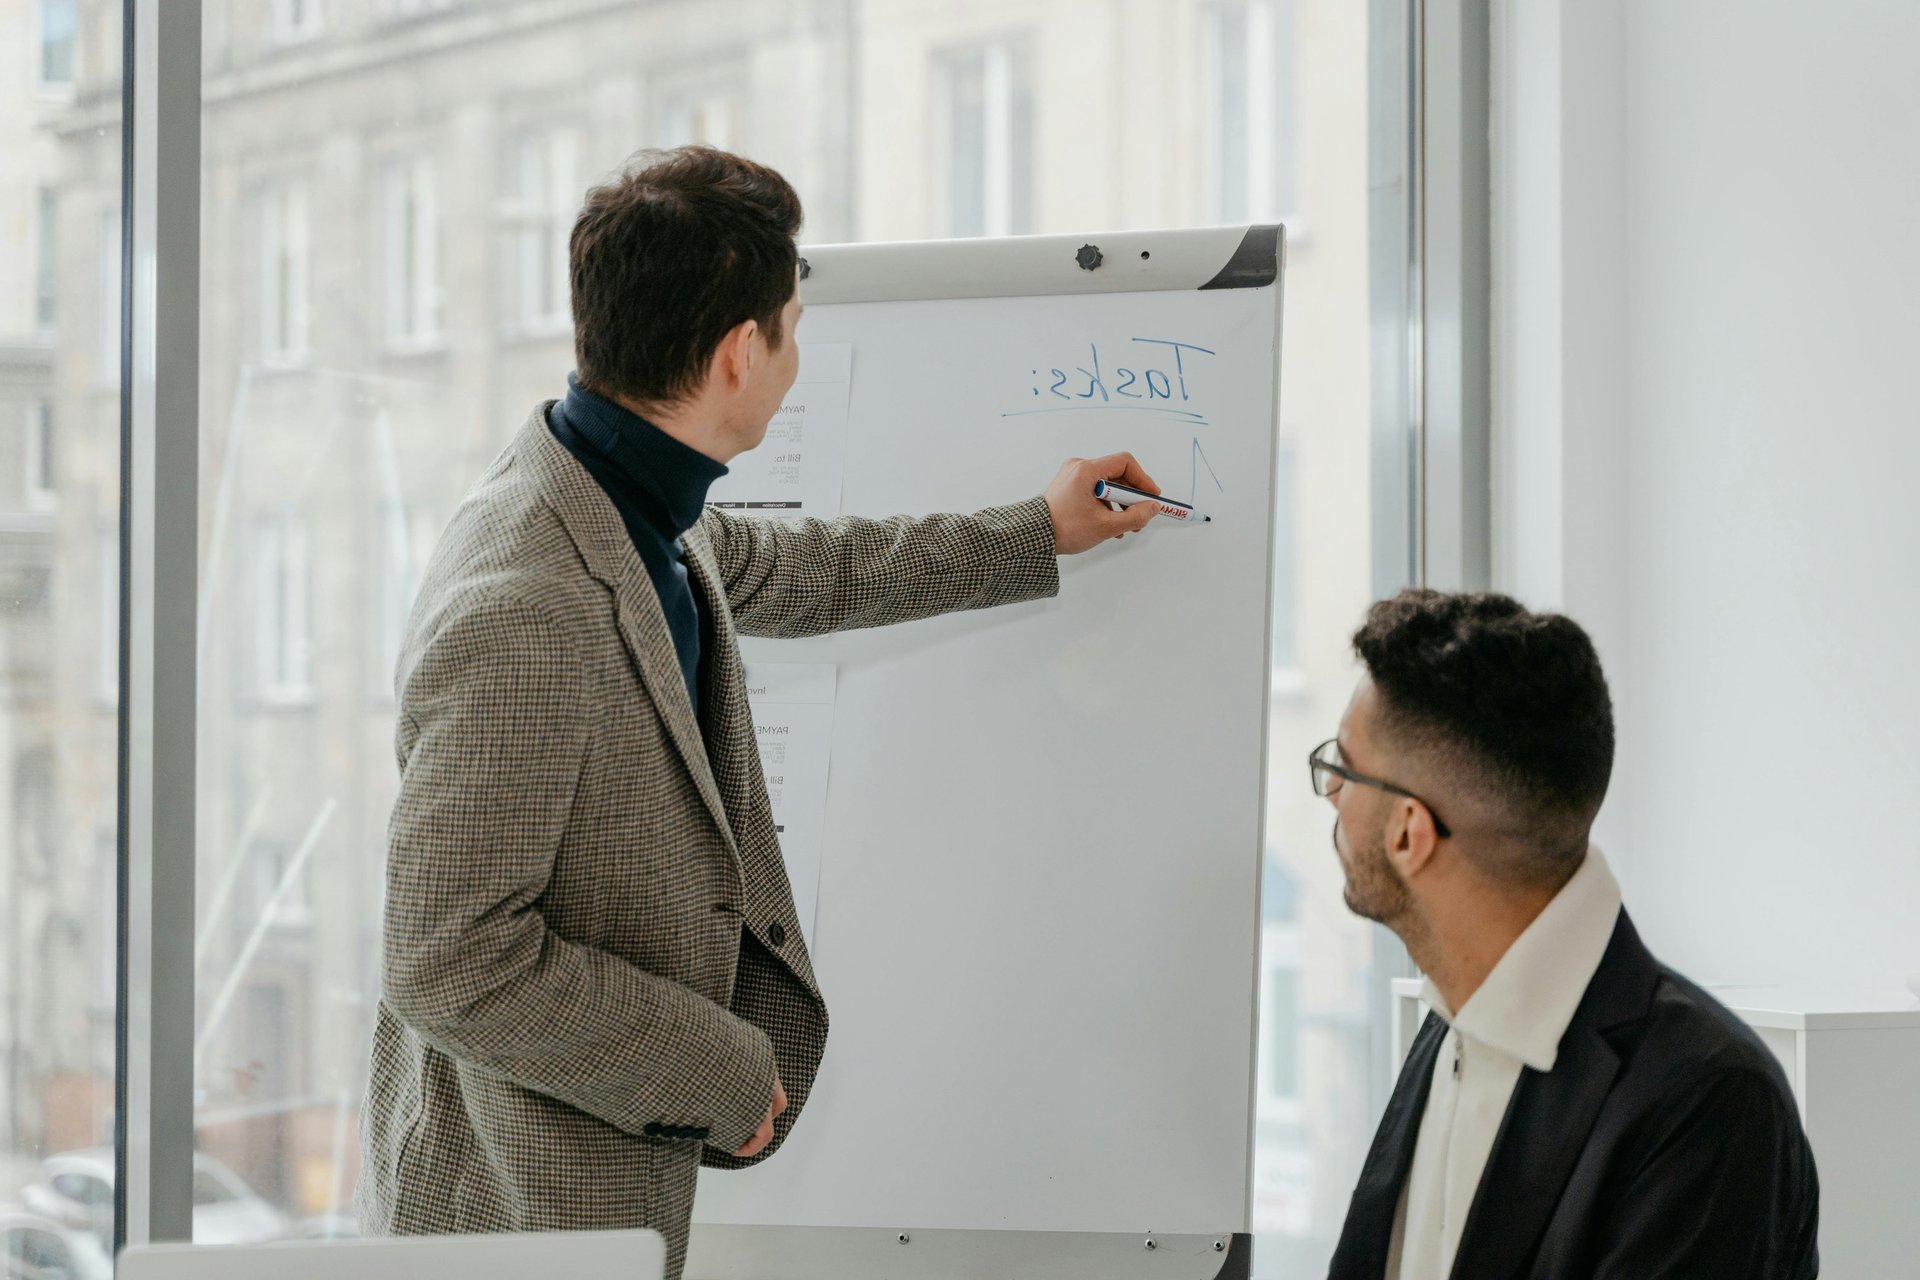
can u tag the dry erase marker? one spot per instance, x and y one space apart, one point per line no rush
1172 508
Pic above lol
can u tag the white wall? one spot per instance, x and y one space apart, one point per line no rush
1707 299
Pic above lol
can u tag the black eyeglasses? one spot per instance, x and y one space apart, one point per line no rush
1323 762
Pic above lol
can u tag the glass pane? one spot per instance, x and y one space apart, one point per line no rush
390 186
60 280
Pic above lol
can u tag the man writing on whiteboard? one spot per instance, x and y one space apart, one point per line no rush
593 976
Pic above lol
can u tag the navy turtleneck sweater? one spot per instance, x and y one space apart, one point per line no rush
659 487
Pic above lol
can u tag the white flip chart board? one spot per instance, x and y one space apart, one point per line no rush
1037 929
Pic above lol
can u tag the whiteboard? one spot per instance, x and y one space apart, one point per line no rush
1038 909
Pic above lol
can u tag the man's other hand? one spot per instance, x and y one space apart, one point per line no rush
764 1134
1081 520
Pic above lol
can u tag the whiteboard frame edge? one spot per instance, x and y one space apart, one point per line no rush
1266 722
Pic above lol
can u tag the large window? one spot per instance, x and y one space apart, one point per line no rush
388 191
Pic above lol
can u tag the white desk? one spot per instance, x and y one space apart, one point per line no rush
1853 1060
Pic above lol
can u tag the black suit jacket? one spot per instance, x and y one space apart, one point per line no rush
1664 1143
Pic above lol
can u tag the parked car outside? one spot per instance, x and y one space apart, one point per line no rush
76 1190
37 1248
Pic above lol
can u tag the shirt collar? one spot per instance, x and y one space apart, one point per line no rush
1527 1001
675 475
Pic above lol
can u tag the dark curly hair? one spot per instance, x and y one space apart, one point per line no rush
667 257
1515 699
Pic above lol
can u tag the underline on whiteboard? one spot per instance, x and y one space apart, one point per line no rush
1188 414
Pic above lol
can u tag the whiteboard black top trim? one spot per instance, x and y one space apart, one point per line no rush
1254 265
1189 258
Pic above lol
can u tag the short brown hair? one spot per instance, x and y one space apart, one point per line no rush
667 257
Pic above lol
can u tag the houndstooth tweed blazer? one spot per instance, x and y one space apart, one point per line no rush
592 964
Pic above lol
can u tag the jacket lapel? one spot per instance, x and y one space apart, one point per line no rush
1547 1123
1368 1233
644 627
736 755
594 525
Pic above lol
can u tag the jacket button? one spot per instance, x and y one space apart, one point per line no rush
777 934
652 1130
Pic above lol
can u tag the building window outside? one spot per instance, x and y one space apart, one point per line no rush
284 241
56 45
46 276
406 539
1280 1046
108 350
1287 677
41 493
277 887
1250 71
1284 1164
106 947
989 141
108 635
295 20
282 639
546 195
412 234
704 119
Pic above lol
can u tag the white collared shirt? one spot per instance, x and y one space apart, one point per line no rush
1515 1019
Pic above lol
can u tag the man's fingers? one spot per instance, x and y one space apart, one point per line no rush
764 1134
1125 468
1130 519
758 1142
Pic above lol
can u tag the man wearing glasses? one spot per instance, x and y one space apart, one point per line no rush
1571 1107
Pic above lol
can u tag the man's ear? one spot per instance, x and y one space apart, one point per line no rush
1410 837
733 358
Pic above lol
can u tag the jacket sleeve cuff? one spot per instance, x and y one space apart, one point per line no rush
746 1092
1027 549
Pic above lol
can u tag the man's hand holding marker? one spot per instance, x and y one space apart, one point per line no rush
1081 520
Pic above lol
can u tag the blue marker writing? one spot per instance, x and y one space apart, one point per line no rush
1121 495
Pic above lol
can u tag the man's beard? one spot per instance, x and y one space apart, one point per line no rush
1374 890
